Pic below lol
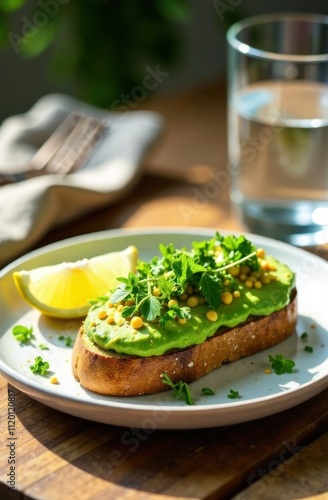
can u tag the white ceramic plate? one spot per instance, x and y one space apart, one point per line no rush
261 394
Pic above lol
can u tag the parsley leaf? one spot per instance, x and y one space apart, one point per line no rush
120 293
211 288
185 267
22 333
40 366
238 247
175 311
167 287
281 365
150 308
68 340
207 391
128 311
181 389
233 394
43 347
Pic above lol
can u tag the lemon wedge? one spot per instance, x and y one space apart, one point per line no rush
65 290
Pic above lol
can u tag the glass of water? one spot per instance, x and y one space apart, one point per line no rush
278 125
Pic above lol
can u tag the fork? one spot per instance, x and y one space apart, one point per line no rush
64 151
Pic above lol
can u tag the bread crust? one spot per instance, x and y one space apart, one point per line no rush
109 373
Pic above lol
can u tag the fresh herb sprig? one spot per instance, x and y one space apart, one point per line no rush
233 394
280 364
207 391
204 267
304 337
40 366
68 340
43 347
22 333
181 389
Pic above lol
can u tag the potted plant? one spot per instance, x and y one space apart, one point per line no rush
103 46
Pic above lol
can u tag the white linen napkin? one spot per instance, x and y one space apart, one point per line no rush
30 208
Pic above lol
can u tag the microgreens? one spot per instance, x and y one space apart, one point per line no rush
22 333
43 347
207 391
233 394
281 365
68 340
204 267
305 337
181 389
40 366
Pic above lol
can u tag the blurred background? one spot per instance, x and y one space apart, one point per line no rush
116 53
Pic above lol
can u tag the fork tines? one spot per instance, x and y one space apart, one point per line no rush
68 146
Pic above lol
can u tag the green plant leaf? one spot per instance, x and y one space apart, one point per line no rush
181 389
166 286
211 288
40 366
236 248
281 365
208 391
128 311
11 5
120 294
22 333
185 266
150 308
176 10
42 38
233 394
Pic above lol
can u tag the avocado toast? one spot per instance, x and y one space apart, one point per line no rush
184 314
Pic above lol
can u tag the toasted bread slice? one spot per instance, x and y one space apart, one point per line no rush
109 373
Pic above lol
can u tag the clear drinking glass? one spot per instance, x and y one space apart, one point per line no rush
278 125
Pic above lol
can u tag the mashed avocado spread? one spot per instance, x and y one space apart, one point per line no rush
185 296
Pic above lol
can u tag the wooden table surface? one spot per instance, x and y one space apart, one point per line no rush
59 456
